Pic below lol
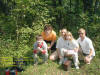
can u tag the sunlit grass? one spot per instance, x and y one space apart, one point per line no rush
53 68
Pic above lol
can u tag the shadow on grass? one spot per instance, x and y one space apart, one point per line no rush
62 67
81 63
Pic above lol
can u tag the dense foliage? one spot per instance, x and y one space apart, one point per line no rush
21 20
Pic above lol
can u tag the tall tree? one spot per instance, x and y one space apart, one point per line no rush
60 2
77 3
54 2
88 4
97 2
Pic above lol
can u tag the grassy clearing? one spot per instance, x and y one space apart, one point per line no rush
53 68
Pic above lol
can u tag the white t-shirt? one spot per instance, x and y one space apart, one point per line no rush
86 45
71 45
44 47
61 43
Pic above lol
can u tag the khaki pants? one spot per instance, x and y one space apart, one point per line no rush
82 56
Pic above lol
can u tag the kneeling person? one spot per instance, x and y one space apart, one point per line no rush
86 46
70 50
40 46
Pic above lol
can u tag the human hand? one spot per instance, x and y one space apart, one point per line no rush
43 51
49 47
76 50
35 51
88 56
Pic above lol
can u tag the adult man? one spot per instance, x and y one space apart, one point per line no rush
86 46
60 44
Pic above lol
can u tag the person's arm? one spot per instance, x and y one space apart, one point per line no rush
76 49
45 46
58 52
52 43
35 46
91 48
76 45
53 40
91 52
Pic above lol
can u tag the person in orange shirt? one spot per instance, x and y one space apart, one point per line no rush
49 36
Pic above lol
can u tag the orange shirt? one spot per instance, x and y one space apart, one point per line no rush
50 37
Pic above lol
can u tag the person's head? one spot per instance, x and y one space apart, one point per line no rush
63 32
48 29
82 32
39 38
69 36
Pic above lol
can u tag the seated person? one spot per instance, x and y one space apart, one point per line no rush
71 49
40 46
86 46
60 44
49 36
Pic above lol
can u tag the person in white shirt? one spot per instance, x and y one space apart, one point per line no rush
86 46
60 44
70 49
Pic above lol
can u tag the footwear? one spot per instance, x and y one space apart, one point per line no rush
77 67
88 63
61 61
35 63
45 62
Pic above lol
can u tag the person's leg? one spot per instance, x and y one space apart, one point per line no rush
80 54
53 48
53 56
45 57
62 53
35 59
75 59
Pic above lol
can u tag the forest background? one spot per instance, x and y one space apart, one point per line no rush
22 20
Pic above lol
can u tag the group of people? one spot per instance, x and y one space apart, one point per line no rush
65 47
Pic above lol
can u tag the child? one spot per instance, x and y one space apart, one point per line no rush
40 46
71 49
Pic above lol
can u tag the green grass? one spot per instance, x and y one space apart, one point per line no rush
53 68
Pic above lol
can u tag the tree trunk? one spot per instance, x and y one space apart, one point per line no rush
70 5
54 2
96 5
60 2
88 5
77 6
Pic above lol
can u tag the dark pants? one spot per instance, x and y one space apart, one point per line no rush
85 54
53 48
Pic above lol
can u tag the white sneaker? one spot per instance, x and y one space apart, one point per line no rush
35 64
77 67
88 63
61 61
